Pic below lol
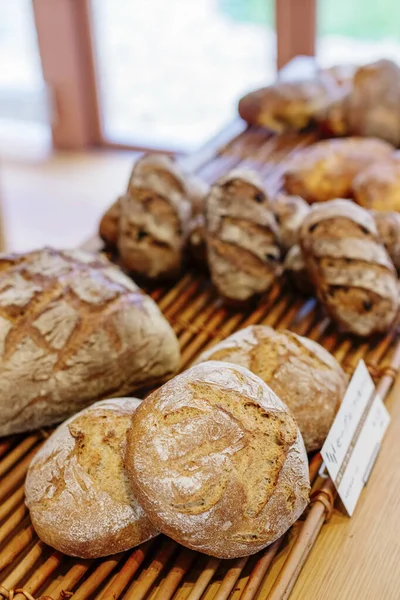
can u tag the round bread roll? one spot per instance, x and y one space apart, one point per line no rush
301 372
76 489
217 461
350 267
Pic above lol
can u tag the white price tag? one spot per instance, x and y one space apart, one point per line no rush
354 440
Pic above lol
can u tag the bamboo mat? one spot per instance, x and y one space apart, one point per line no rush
162 569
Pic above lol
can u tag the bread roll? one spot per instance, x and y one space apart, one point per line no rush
154 219
242 237
109 224
198 191
300 372
350 267
378 187
326 170
73 330
217 461
289 212
388 225
76 489
296 271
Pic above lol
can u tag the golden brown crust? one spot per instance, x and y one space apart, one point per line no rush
109 224
301 373
353 274
378 187
326 170
74 329
289 212
217 461
242 237
79 498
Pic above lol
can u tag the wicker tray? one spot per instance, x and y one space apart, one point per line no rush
161 569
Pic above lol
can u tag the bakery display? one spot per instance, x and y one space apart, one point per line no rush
217 461
300 372
378 186
74 329
388 225
289 212
242 237
326 170
76 489
296 272
350 267
109 224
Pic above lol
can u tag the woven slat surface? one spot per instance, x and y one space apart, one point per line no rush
161 569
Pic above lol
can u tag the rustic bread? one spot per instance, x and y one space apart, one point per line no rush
109 224
350 267
300 372
242 237
378 186
388 225
217 461
326 170
289 212
198 191
154 219
296 271
73 330
76 489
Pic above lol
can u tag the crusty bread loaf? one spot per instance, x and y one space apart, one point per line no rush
76 489
242 237
388 225
326 170
289 212
154 219
296 271
350 267
217 461
198 191
300 372
109 224
73 330
378 186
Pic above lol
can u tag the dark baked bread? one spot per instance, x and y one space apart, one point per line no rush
109 224
300 372
289 212
350 267
79 498
296 271
242 237
217 461
378 186
388 225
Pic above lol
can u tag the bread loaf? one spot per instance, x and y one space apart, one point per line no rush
198 191
217 461
326 170
378 187
289 212
76 489
109 224
388 225
242 237
300 372
296 271
73 330
350 267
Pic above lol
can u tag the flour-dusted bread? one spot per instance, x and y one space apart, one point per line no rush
154 219
217 461
242 237
350 267
378 187
296 272
289 212
79 498
326 170
300 372
73 330
109 224
388 225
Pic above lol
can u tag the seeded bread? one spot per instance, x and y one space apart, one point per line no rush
296 271
388 225
289 212
326 170
73 330
76 489
350 267
300 372
217 461
242 237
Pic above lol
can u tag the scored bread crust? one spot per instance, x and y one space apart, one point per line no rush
109 224
326 170
74 329
217 461
350 267
289 212
301 373
388 226
242 237
76 489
